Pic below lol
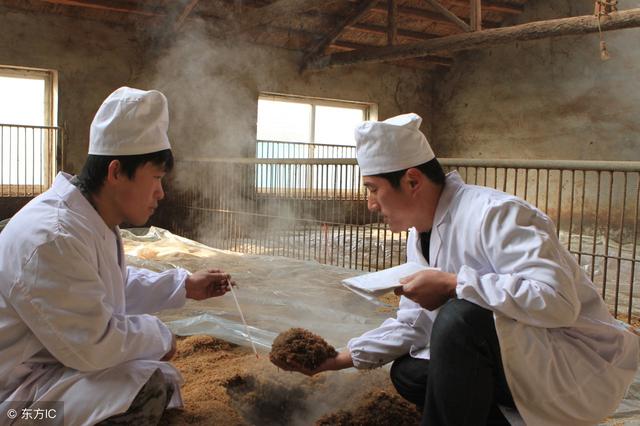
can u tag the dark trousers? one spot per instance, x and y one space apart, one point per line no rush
463 382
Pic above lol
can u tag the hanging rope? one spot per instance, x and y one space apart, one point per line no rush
603 8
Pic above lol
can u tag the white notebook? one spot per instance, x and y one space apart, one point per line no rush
380 282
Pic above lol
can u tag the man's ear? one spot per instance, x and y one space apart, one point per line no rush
414 178
114 171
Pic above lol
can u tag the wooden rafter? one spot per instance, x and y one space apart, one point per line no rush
107 6
363 7
475 15
433 59
493 6
377 29
486 38
183 15
237 7
277 10
419 13
392 22
449 15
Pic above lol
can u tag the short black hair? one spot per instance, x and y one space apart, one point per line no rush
95 169
431 169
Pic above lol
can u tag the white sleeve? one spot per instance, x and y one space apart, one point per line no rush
534 276
147 291
408 332
61 298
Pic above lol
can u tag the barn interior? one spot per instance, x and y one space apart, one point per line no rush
539 99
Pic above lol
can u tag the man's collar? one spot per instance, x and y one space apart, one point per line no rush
453 183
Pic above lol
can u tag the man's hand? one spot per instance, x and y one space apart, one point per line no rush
172 352
339 362
430 289
208 283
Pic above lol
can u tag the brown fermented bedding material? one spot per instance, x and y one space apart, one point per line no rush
224 384
301 347
378 408
266 402
206 363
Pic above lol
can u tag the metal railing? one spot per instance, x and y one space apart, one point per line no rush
29 159
594 206
276 149
315 209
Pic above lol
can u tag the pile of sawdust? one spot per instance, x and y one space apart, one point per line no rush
377 409
298 346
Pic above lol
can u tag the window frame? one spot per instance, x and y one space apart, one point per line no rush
52 134
308 190
370 110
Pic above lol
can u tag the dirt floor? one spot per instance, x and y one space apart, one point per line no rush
226 384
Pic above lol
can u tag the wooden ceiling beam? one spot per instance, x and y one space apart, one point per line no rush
183 15
318 48
392 22
109 6
493 6
277 10
438 60
484 39
415 12
475 15
449 15
377 29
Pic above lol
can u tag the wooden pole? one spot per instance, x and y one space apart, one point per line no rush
485 39
185 12
392 22
493 6
277 10
379 29
437 60
363 7
449 15
109 7
475 15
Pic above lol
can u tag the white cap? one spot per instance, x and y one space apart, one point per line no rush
130 122
391 145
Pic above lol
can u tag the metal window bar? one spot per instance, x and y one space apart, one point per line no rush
30 156
316 209
277 149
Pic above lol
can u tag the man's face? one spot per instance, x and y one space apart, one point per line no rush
137 198
393 203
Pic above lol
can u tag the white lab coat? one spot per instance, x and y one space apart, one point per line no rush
74 323
565 358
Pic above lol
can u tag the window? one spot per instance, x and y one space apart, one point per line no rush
290 127
27 139
305 128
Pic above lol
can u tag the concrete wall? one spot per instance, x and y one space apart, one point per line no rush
551 98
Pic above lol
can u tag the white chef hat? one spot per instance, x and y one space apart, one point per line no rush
130 122
391 145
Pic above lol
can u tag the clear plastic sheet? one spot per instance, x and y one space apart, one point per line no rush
275 293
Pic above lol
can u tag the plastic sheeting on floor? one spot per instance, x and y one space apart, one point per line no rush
275 293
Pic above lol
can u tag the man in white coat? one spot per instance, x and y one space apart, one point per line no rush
75 323
508 325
